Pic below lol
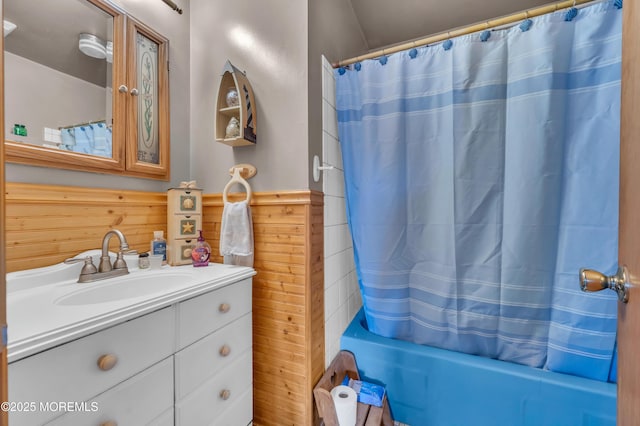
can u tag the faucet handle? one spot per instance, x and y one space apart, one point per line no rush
87 268
120 263
76 260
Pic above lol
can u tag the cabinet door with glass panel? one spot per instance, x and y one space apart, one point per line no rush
147 150
87 89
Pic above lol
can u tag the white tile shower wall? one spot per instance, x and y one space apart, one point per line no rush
341 294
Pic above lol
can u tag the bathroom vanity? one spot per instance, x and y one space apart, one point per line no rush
162 347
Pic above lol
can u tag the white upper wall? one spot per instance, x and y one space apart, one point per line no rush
279 44
268 40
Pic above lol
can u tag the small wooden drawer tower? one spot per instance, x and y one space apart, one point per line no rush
184 219
235 109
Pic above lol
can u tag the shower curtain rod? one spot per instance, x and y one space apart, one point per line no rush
173 6
493 23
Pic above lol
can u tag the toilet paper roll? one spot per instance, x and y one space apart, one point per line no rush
346 401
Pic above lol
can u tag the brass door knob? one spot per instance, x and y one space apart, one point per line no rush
225 394
591 280
224 308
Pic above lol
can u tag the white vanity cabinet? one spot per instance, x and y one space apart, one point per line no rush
187 362
214 373
143 399
82 369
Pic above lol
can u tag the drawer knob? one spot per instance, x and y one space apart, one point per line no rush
109 423
224 308
225 394
225 350
107 362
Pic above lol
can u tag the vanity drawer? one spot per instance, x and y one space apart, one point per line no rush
207 404
72 372
242 408
203 359
165 419
206 313
139 400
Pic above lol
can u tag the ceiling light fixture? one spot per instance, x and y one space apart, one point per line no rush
9 27
92 45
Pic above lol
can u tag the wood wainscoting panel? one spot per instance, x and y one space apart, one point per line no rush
46 224
288 300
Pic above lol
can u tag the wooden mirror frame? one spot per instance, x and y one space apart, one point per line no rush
124 142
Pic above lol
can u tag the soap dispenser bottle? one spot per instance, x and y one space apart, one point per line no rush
201 253
159 245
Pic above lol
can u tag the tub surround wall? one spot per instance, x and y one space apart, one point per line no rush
334 32
342 295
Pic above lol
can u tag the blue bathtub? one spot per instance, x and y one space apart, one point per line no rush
430 386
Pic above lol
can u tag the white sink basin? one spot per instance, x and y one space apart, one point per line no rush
140 284
47 307
51 275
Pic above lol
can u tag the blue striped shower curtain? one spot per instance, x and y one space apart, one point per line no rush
481 174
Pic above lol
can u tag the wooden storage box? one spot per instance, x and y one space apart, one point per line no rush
184 220
344 364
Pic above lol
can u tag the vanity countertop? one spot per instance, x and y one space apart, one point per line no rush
42 314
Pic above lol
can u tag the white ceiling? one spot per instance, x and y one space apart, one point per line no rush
388 22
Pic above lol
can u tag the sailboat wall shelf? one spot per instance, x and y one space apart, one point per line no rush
240 105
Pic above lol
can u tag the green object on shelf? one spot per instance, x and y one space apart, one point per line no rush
19 129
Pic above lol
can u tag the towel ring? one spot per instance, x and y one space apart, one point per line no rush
236 178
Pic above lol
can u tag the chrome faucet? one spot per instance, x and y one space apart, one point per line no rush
105 270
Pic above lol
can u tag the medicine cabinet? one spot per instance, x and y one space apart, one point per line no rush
89 85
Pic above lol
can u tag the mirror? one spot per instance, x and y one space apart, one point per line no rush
77 96
58 74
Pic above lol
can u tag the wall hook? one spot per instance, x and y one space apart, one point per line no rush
317 168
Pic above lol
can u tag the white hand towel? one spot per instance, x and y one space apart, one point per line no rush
236 235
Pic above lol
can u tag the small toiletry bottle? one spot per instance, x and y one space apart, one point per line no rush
143 261
159 245
201 252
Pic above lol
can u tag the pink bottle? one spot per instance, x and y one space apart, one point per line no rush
201 252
